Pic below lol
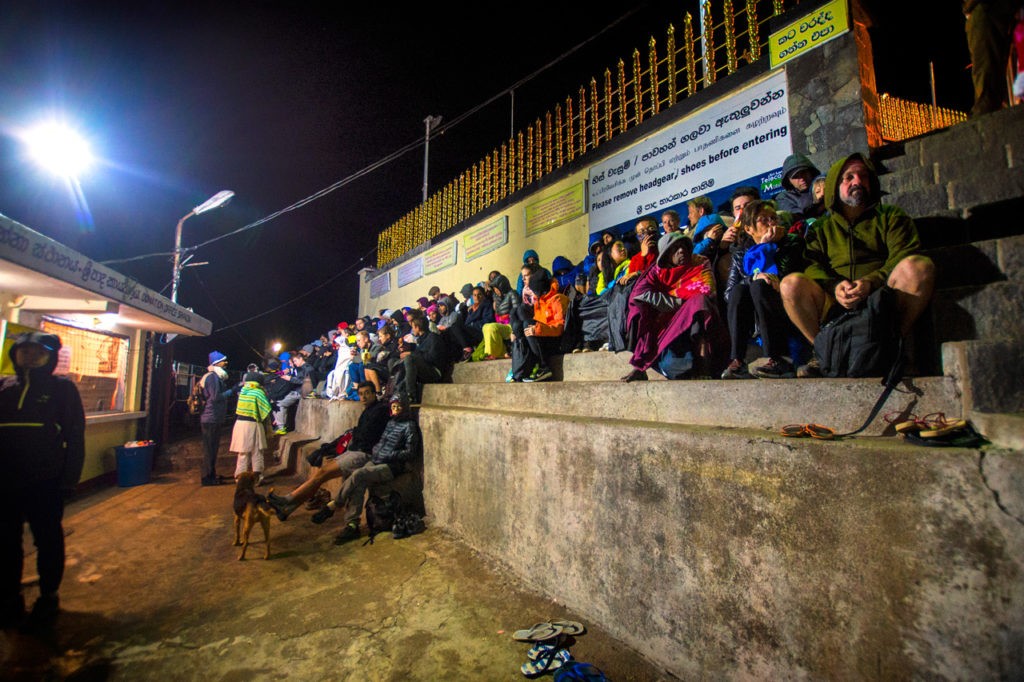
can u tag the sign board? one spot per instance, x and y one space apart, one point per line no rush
380 285
809 32
410 272
485 238
724 143
556 209
440 258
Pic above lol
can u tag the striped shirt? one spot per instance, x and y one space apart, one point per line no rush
252 403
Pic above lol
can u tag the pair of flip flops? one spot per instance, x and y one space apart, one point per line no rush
548 652
936 429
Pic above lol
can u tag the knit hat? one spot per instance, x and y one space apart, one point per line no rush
216 356
423 301
466 290
308 348
343 325
253 376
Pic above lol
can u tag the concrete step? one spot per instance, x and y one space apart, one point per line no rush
992 311
840 404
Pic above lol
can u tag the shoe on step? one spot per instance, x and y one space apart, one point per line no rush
322 515
737 369
812 370
349 533
775 368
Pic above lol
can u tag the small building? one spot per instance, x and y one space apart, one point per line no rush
110 326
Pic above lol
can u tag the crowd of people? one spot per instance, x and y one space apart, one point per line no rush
738 292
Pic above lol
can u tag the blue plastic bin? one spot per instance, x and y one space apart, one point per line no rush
134 464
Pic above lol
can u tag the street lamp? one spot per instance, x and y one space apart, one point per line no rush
216 201
430 122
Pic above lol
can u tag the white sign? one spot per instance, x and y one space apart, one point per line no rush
729 141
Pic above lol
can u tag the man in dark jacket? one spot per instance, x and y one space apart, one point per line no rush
399 445
427 362
217 392
365 435
42 447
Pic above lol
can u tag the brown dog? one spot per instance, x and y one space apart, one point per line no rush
250 508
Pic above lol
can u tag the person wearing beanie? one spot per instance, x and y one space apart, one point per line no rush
252 421
400 444
43 427
796 197
216 392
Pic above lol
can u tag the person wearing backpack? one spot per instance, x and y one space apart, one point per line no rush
860 248
214 412
398 445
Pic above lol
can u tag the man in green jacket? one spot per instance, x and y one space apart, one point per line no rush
859 246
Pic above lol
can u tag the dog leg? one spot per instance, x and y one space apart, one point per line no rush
238 530
265 522
247 521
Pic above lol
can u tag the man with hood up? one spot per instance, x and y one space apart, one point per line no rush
797 197
42 447
858 247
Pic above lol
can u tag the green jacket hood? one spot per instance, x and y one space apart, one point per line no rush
832 181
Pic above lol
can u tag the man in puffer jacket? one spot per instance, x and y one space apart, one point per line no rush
42 449
400 444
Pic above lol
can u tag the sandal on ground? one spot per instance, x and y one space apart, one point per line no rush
553 660
570 627
539 632
808 430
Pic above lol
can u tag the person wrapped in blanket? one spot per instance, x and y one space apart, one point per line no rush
762 255
672 314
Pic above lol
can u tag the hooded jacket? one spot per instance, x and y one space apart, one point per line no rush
42 422
507 298
399 444
868 249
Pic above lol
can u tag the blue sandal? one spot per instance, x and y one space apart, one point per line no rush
552 660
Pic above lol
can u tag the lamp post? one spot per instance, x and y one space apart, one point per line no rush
216 201
430 122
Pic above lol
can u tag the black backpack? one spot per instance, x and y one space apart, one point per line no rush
862 342
381 513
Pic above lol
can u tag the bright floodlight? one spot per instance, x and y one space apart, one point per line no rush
216 201
59 149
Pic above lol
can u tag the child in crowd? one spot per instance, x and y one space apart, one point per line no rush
764 255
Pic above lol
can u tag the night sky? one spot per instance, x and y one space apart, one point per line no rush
277 101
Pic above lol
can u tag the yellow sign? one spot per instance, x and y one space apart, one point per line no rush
815 29
485 239
440 258
556 209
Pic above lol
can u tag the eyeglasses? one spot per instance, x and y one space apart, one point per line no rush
770 220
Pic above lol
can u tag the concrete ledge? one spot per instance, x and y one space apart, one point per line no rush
841 404
729 553
1003 430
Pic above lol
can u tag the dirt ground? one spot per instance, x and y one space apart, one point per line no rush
154 591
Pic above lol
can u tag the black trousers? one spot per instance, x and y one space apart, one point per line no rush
211 441
42 506
759 303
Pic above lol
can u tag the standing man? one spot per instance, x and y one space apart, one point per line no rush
214 412
42 447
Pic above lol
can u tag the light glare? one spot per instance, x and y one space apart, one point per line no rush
59 149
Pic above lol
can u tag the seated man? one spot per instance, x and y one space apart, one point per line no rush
543 333
673 308
365 435
859 246
426 363
399 445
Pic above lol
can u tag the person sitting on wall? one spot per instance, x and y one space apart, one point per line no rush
672 314
367 431
480 313
496 333
797 197
670 221
543 323
424 363
647 236
860 246
399 445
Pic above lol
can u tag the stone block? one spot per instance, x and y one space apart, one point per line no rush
983 370
993 311
950 144
915 179
924 202
970 165
966 264
1011 257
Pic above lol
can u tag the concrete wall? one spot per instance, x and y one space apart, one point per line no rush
731 554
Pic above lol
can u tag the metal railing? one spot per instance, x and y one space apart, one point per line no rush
901 119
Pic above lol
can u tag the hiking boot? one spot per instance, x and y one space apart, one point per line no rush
349 533
737 369
775 368
322 515
281 507
812 370
318 500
